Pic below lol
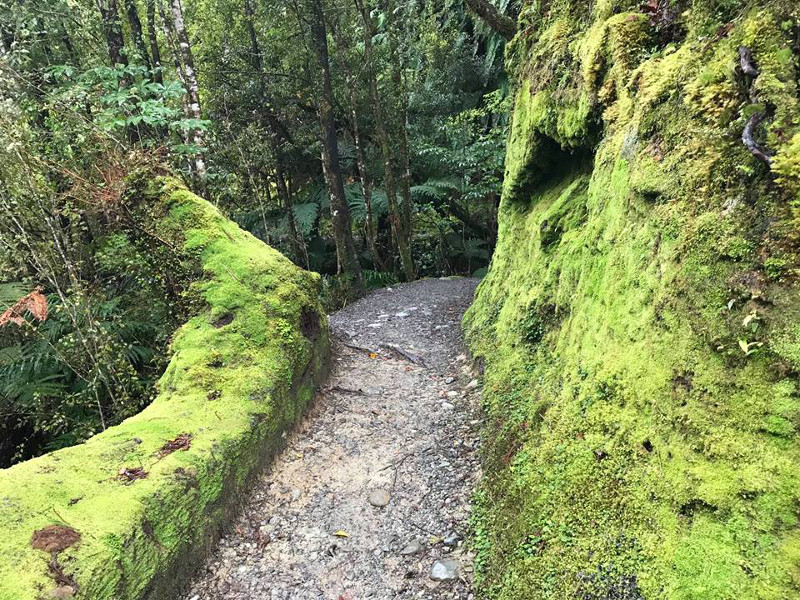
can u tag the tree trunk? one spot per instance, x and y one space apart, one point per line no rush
340 212
296 240
6 38
112 30
390 185
153 39
186 60
398 77
136 32
370 230
500 23
169 35
255 49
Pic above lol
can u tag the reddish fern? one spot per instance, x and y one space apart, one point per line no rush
34 303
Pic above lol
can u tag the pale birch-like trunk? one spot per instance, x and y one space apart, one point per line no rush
189 78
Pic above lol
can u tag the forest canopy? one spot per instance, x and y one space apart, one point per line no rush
363 139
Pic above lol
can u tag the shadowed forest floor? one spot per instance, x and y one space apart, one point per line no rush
370 497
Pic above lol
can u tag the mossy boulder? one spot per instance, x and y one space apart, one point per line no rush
639 322
124 515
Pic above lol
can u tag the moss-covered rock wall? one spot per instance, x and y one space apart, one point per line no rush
126 514
640 323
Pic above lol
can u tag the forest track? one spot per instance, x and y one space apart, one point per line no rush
397 421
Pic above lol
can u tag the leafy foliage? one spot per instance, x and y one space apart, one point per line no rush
233 103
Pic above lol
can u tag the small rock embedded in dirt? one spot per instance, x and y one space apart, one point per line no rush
449 380
451 539
445 569
447 406
379 498
412 547
472 384
63 591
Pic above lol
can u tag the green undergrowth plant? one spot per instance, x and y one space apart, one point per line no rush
639 320
126 514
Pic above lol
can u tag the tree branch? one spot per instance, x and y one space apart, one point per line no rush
500 23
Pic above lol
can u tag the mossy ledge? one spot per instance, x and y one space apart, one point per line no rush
639 322
242 371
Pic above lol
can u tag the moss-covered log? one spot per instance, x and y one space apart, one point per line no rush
124 515
640 322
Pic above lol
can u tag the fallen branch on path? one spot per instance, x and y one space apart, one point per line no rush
407 354
344 390
361 348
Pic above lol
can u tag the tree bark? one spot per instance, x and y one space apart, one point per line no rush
370 229
153 40
398 78
500 23
186 60
390 185
169 35
296 240
340 212
136 32
112 30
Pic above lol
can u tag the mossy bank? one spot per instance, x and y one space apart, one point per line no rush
640 323
124 515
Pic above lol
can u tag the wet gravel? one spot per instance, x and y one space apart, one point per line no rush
370 498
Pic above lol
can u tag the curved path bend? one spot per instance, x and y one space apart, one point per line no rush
370 498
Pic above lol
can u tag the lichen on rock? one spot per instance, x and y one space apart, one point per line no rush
639 320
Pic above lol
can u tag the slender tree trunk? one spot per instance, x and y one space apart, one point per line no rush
340 212
136 32
112 30
186 60
296 241
169 35
295 237
399 79
153 40
390 185
370 230
6 38
255 49
69 47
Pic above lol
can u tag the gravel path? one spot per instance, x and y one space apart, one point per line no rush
370 497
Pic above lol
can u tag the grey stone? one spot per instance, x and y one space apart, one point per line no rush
444 569
412 547
379 498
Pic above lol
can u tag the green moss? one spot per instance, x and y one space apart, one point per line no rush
235 384
639 319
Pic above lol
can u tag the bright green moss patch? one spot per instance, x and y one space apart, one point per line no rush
242 371
639 319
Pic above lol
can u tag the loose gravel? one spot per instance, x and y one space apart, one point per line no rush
370 498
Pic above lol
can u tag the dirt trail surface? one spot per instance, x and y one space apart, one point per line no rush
370 498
